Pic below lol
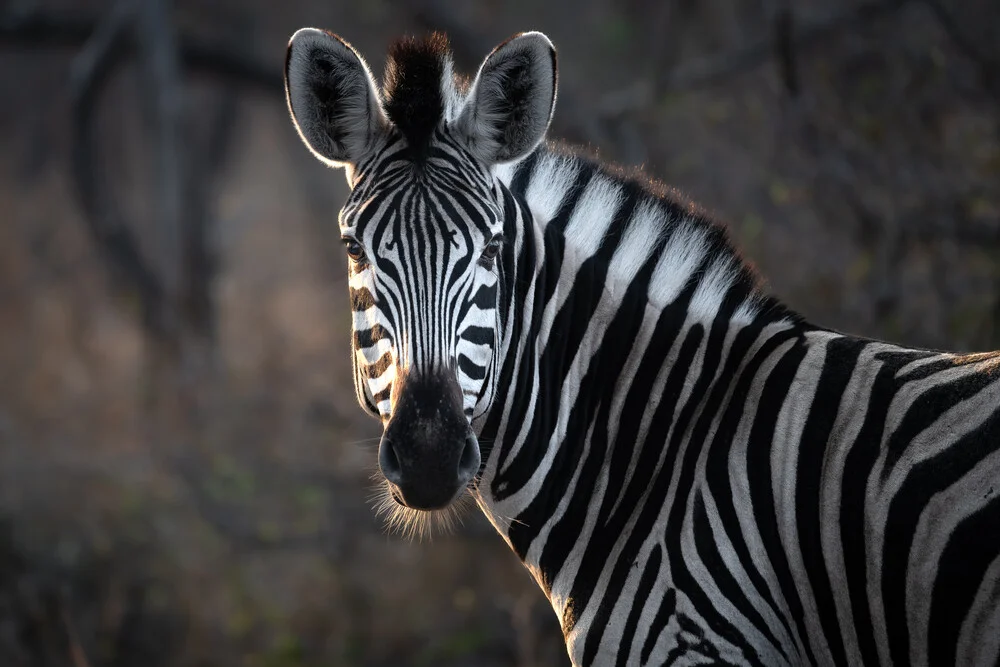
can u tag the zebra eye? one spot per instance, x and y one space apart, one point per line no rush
491 250
354 249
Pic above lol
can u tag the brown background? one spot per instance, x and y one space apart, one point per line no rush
184 473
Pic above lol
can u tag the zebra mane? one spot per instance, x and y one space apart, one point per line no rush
416 86
627 207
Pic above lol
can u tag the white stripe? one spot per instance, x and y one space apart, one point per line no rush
593 215
551 178
684 252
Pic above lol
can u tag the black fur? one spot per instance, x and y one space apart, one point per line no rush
413 98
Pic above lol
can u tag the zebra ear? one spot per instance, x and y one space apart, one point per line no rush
512 99
332 97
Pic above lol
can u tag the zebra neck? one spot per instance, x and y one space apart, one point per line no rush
627 231
607 282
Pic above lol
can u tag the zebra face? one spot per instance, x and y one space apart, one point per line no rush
423 229
423 250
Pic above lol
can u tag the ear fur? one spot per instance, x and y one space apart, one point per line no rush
332 97
511 101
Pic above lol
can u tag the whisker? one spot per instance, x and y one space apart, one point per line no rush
417 524
363 441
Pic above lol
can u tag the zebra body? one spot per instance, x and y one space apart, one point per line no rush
691 472
743 486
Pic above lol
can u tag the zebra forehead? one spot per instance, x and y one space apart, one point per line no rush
424 203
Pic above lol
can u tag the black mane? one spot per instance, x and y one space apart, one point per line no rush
413 98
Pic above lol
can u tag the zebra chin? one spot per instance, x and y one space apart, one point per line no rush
428 454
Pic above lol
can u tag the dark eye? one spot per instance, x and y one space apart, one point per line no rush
354 249
492 249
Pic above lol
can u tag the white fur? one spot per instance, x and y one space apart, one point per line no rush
594 214
637 244
712 287
550 181
684 252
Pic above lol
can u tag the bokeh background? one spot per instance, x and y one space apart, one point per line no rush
184 474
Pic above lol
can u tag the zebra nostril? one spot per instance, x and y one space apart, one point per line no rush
468 465
388 462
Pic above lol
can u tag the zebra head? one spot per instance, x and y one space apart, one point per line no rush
424 229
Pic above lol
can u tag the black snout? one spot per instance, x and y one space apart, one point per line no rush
428 451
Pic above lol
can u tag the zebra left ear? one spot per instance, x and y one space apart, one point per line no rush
512 99
332 97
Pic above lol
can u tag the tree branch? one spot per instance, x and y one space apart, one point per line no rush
784 47
36 28
712 70
163 96
89 75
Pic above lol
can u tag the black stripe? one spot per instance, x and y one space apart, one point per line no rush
361 299
854 527
924 480
478 335
841 359
646 581
706 396
584 175
718 480
522 175
926 409
544 415
668 605
759 478
375 370
595 558
485 297
525 269
565 337
962 567
369 336
470 369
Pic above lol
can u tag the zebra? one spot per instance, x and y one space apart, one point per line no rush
692 472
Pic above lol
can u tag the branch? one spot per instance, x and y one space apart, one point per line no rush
174 291
89 74
712 70
164 101
784 48
809 34
200 261
36 28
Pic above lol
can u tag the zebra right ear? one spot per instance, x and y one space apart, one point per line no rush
332 97
512 99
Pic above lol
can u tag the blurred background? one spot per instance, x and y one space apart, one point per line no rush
184 473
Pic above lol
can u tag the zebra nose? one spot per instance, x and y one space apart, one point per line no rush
468 465
388 462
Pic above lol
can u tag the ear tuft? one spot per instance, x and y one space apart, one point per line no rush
512 99
332 97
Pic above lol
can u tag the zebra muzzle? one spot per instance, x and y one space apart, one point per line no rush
428 452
